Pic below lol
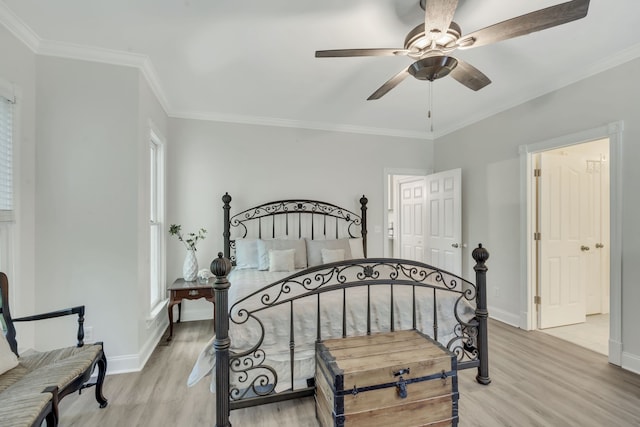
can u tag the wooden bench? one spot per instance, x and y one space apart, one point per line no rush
30 392
401 378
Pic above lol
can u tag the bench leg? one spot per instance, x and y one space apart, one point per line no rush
51 419
102 372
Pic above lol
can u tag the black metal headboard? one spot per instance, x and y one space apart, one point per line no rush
291 213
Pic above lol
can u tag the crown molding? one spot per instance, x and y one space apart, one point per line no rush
553 84
108 56
18 28
90 53
26 35
299 124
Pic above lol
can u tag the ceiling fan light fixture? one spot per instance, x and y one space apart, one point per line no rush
432 67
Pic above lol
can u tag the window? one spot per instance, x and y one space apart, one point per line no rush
6 159
156 217
7 195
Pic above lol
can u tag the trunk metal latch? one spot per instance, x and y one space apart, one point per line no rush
401 385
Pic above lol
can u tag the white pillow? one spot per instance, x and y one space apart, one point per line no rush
8 359
314 249
332 255
264 246
281 260
357 250
246 253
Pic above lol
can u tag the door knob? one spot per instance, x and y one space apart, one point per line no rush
599 246
454 245
584 248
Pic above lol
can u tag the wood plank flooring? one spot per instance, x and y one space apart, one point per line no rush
537 380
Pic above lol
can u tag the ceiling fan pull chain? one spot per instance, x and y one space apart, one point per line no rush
430 115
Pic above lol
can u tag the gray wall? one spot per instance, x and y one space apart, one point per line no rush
488 153
86 204
92 204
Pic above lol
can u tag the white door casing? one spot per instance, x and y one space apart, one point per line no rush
561 265
614 133
444 224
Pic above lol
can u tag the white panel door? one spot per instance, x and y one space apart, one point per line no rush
412 211
562 291
444 243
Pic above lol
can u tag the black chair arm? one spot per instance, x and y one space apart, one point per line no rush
79 310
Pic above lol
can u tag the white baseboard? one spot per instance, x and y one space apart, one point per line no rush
135 362
631 362
504 316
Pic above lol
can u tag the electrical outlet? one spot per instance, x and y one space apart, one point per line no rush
88 333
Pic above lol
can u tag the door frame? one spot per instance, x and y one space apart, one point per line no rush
387 173
613 131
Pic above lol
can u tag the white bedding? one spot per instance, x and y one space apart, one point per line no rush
276 320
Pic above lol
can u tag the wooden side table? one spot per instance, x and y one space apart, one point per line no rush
187 290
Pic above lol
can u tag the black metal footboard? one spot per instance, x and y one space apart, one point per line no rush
345 298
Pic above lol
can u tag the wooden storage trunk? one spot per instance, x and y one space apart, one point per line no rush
401 378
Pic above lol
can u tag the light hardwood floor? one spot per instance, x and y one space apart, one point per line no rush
537 380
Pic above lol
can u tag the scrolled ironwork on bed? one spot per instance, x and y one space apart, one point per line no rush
270 360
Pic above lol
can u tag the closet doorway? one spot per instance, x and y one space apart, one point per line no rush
572 243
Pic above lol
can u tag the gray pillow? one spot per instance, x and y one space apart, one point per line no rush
300 257
314 249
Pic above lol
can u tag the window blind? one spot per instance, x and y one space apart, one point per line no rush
6 160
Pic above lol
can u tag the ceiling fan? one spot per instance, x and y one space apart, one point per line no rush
431 42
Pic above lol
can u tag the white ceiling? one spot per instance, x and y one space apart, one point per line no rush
253 60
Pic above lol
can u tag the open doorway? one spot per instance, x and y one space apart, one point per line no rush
529 319
572 240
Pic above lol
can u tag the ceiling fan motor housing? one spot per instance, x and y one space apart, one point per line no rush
432 67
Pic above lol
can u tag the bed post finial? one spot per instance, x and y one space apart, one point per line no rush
481 255
221 267
226 234
363 212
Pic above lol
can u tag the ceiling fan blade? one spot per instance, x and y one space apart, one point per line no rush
339 53
438 15
526 24
469 76
389 84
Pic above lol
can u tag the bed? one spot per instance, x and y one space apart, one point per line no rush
295 272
